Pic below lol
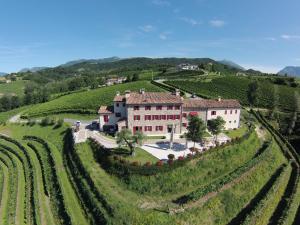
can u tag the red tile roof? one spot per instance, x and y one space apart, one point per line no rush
106 110
119 98
211 103
153 98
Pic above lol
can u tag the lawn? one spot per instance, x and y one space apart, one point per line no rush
13 88
87 102
237 132
4 116
141 156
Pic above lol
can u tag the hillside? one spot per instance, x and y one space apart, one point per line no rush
92 61
231 64
290 70
2 74
86 102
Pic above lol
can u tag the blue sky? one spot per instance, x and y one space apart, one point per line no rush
262 34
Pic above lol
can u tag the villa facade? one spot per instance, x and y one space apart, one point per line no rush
157 113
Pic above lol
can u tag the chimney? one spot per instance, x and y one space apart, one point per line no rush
177 92
117 93
127 94
142 91
219 98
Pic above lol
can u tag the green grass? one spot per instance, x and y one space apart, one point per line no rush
5 194
237 132
54 138
86 102
222 208
13 88
141 156
4 116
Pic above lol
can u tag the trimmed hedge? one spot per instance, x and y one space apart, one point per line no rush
123 168
56 196
30 214
93 202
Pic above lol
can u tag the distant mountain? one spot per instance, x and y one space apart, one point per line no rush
92 61
2 74
33 69
232 64
290 70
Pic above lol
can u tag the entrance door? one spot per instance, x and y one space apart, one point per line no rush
169 128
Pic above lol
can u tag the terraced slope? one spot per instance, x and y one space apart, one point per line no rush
46 179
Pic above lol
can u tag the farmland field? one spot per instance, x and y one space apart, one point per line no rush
86 102
13 88
236 87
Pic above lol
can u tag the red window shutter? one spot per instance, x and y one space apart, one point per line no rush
225 112
105 117
236 111
184 115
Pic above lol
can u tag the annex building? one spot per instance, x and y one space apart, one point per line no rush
157 113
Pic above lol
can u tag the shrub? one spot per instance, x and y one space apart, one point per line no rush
171 156
135 163
159 163
147 164
180 158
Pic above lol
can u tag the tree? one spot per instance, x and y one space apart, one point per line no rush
216 126
125 137
252 93
128 78
195 129
135 77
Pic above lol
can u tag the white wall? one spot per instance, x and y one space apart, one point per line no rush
232 120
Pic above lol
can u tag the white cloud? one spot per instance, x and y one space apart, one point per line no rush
270 39
164 35
161 3
217 23
191 21
289 37
147 28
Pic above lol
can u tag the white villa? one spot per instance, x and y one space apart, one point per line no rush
157 113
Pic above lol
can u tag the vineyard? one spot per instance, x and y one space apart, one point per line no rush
46 179
236 87
86 102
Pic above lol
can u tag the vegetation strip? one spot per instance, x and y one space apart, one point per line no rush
219 183
285 206
95 203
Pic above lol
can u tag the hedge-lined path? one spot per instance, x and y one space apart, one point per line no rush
5 194
45 212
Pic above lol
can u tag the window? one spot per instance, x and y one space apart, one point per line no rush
118 114
158 128
235 121
148 128
148 107
117 104
105 117
156 117
169 117
136 117
136 107
135 129
170 107
163 117
159 107
177 117
177 107
229 121
225 112
147 117
184 125
236 111
230 111
123 104
184 115
213 113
